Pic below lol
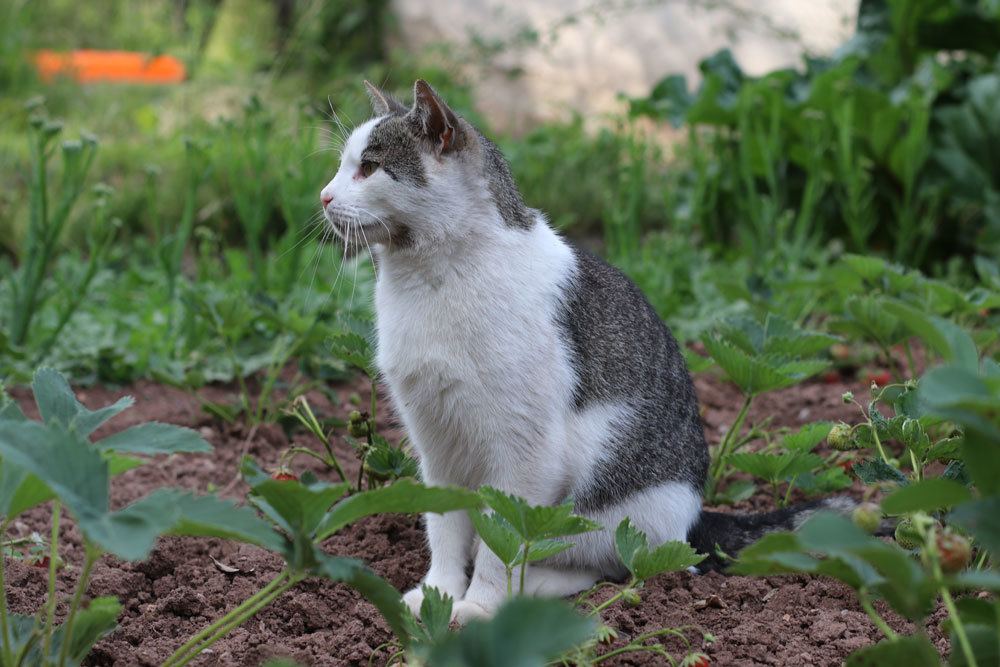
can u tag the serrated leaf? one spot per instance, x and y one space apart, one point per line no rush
57 404
775 467
941 335
808 437
154 438
874 471
497 533
543 549
67 464
643 562
435 614
534 523
131 532
926 495
405 496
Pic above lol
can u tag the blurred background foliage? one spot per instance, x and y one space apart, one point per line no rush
215 263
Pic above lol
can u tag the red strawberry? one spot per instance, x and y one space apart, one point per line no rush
696 660
881 378
283 474
831 377
955 552
42 563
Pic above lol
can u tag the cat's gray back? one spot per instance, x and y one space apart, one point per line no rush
622 352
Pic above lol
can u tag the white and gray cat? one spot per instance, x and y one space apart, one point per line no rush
517 360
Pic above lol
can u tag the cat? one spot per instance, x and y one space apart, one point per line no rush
517 360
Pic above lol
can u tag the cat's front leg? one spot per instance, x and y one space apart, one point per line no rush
449 537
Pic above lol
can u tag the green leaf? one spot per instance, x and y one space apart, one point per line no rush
211 516
435 614
775 467
67 464
90 625
982 519
526 632
534 523
298 507
405 496
926 495
20 490
57 404
874 471
154 438
543 549
808 437
130 533
643 562
905 650
941 335
497 533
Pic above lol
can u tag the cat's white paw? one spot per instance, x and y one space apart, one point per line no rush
465 611
413 599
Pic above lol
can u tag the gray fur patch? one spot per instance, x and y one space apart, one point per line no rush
502 187
623 352
393 147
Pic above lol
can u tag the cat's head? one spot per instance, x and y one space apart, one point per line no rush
419 178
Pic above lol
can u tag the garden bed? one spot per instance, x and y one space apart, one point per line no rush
181 587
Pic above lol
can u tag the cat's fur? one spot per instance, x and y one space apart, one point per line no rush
518 361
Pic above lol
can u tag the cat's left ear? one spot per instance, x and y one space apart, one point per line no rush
382 102
434 120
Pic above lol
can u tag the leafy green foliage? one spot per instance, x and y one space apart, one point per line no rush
832 545
643 562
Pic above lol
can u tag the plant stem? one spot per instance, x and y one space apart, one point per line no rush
956 622
596 611
91 557
187 651
866 604
242 618
50 612
524 567
8 657
725 447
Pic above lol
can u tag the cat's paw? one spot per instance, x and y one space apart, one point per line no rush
465 611
413 599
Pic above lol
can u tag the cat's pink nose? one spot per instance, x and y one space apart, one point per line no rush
326 199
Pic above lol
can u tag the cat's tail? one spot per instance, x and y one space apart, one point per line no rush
722 535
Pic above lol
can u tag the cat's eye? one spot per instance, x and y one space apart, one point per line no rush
367 168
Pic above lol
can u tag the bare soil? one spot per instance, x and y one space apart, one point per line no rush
179 589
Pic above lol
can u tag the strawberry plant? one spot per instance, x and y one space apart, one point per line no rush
758 357
54 460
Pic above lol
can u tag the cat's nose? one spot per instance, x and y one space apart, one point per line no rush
325 198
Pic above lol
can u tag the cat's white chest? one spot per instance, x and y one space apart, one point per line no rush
470 348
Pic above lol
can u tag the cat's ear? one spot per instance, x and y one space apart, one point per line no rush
384 103
434 120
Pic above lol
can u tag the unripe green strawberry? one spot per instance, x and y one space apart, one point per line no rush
867 517
842 438
906 535
357 424
631 597
954 551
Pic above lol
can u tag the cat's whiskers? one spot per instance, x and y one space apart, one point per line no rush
309 230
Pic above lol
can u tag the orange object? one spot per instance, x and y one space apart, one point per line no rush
87 66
